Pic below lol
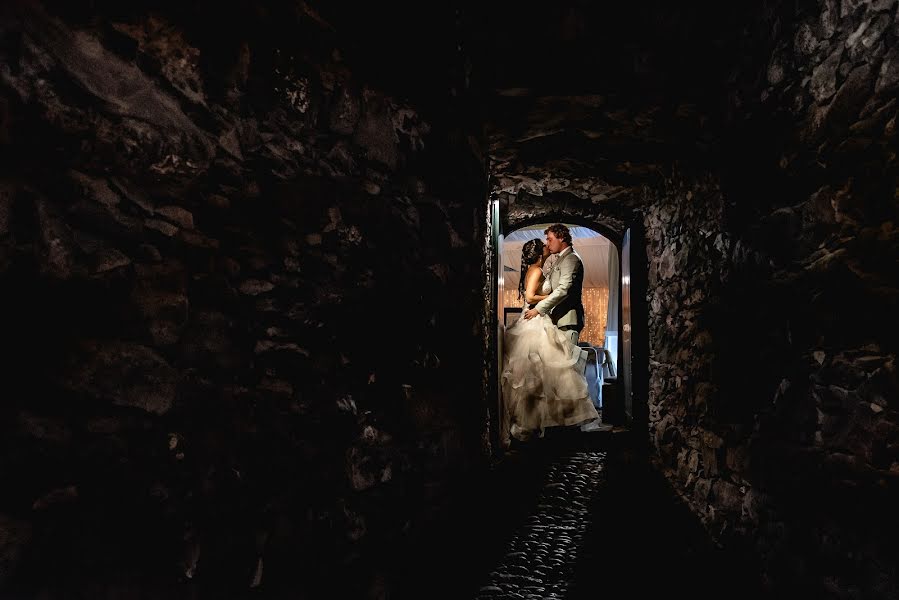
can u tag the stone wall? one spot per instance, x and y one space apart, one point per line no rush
542 195
773 288
239 285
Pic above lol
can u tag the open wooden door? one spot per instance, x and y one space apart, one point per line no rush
627 347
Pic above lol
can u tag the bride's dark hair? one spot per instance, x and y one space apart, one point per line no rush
530 253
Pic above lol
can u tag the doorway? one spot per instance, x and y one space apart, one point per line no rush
604 296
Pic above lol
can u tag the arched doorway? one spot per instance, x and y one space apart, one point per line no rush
626 377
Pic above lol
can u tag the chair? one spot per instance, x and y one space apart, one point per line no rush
608 367
594 374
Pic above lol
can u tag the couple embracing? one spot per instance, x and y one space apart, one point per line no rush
543 383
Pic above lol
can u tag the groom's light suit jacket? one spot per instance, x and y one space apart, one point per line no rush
564 305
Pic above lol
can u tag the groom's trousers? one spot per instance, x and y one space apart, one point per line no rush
573 334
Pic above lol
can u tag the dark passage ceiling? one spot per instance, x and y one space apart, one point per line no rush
574 82
607 87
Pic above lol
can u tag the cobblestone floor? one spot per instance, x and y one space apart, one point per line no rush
541 557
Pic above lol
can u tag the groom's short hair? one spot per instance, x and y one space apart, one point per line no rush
560 231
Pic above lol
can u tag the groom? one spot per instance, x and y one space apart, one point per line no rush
566 278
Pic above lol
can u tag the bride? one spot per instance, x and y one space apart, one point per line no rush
542 382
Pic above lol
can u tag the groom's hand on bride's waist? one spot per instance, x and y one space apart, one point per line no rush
530 314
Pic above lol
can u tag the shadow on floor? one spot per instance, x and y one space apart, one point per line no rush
644 540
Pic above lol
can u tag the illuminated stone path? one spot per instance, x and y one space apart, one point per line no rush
542 556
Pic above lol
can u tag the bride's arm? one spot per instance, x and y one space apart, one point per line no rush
531 285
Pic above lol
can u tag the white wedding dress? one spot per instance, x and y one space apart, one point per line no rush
543 383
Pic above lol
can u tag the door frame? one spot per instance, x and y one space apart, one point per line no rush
498 226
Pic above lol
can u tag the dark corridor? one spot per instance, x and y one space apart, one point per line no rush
246 304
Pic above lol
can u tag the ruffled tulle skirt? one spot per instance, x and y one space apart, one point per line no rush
543 381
